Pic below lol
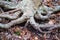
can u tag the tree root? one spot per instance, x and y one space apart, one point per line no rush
27 7
10 16
8 5
37 26
21 19
44 26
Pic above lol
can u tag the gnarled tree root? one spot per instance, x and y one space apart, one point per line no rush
46 25
27 7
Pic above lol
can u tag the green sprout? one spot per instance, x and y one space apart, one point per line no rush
17 33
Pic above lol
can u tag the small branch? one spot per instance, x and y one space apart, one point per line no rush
1 10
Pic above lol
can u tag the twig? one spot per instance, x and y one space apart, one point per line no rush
1 10
26 24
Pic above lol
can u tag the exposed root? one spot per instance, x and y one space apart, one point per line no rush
29 12
21 19
47 26
37 26
9 5
10 16
45 12
17 21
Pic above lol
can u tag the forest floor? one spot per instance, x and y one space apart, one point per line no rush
18 32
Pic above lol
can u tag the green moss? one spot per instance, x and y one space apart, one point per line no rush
17 33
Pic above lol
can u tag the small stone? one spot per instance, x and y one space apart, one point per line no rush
36 38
